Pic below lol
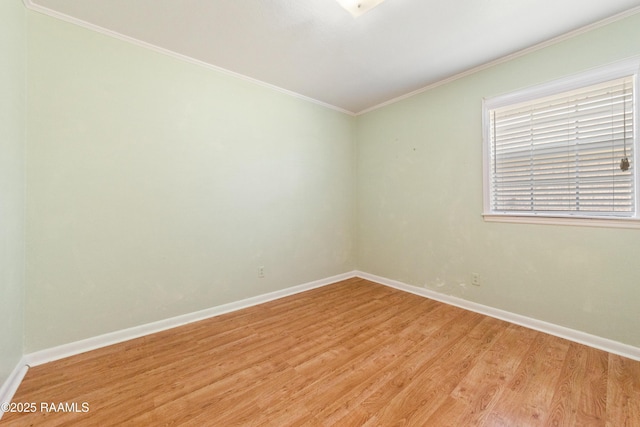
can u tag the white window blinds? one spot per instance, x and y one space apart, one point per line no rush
565 154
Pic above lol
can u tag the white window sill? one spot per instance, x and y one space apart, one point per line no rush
564 220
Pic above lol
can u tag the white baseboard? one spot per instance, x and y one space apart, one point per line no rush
93 343
605 344
12 383
10 386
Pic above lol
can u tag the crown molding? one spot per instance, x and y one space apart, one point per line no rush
44 10
508 58
70 19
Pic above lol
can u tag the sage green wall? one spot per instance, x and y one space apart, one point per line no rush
157 187
419 187
12 182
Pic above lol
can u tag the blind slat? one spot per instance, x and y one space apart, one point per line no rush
562 153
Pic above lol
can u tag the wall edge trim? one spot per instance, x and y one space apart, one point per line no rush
77 347
579 337
11 384
29 4
506 58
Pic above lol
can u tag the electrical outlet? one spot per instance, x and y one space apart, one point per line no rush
475 279
261 272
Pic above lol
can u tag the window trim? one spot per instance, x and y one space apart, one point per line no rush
620 69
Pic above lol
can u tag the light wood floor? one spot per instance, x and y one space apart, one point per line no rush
349 354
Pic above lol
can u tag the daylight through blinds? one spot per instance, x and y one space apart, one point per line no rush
565 153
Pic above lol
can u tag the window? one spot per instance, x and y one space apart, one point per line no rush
564 150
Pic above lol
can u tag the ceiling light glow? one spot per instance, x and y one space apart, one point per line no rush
359 7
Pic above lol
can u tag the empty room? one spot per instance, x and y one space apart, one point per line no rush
319 212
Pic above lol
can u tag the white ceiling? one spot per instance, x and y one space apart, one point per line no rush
315 48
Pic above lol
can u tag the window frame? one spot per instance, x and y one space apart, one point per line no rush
598 75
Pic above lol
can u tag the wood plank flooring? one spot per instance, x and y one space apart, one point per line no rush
350 354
